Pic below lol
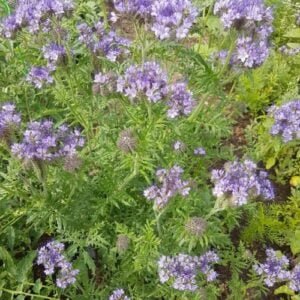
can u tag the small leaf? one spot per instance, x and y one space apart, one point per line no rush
295 181
284 290
270 163
295 243
294 33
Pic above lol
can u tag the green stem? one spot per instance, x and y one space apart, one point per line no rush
26 294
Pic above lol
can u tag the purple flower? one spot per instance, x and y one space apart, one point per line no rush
102 42
139 7
52 258
178 146
118 294
289 51
181 101
171 185
287 120
253 20
147 80
39 76
172 18
31 15
294 277
240 181
200 151
274 268
183 269
54 53
43 142
9 119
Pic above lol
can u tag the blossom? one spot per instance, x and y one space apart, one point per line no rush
52 258
147 80
200 151
9 119
139 7
171 185
103 42
289 51
54 53
179 146
172 18
181 101
286 120
126 141
40 76
183 269
43 142
118 294
32 15
294 277
274 268
240 181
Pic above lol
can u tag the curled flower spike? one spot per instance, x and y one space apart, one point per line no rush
10 120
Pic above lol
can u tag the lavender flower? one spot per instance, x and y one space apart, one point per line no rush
242 14
102 42
39 76
200 151
173 18
118 294
9 120
178 146
205 262
274 268
289 51
104 83
253 20
31 15
54 53
183 269
181 101
139 7
287 120
148 80
294 278
171 185
52 258
240 181
43 142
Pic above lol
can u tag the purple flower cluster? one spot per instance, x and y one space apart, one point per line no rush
169 18
32 14
240 181
274 269
183 269
118 294
289 51
287 120
148 80
40 76
180 102
51 257
54 54
254 22
138 7
200 151
179 146
173 18
9 119
104 83
43 142
102 42
171 185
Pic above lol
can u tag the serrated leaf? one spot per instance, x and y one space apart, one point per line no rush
24 266
89 262
295 243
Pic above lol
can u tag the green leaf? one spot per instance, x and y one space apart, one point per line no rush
294 33
295 243
284 290
270 163
24 266
89 262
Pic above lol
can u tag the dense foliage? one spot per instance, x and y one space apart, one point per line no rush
149 149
